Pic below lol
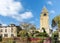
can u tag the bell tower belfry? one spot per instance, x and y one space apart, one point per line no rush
44 20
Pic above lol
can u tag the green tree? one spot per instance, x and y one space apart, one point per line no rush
22 33
41 34
18 30
56 22
45 33
54 37
27 26
27 30
54 34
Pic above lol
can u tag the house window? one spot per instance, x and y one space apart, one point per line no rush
0 34
5 30
11 29
0 30
5 35
12 35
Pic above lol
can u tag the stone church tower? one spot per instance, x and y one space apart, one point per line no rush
44 20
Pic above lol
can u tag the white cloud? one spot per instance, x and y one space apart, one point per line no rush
52 12
26 15
50 3
11 8
4 24
23 16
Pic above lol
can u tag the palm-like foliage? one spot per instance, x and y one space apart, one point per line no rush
56 22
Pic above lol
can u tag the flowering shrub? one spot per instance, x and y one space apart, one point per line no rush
34 40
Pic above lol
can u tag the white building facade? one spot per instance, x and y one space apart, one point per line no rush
8 31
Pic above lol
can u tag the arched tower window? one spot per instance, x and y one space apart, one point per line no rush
45 14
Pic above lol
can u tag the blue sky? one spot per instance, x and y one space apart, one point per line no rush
17 11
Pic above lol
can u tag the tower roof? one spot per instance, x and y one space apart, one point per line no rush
44 10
